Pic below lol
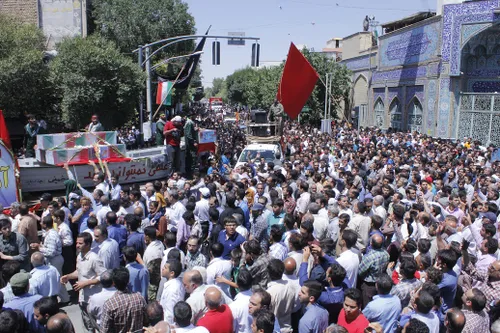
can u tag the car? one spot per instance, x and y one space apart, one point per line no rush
271 152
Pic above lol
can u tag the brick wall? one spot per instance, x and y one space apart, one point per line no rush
24 10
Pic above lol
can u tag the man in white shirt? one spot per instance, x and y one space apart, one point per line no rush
343 203
361 224
154 248
348 259
173 290
239 308
282 296
218 267
176 209
194 286
320 223
107 248
293 281
203 206
378 207
101 214
304 199
96 301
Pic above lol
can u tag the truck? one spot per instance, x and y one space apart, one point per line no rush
215 104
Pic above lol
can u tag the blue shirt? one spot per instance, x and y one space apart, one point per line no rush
314 320
118 232
25 304
139 279
45 281
230 243
136 240
274 219
448 288
384 309
244 207
82 222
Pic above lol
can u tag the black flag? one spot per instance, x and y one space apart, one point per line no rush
190 66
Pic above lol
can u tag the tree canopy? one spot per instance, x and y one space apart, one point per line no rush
131 23
24 78
92 76
257 88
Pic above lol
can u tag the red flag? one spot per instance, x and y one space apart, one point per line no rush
297 82
4 132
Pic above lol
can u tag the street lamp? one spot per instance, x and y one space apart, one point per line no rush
174 58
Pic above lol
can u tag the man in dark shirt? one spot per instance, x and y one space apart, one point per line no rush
13 246
135 238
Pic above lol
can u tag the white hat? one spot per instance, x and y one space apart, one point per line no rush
205 192
177 118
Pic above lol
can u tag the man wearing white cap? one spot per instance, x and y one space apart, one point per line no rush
203 206
173 134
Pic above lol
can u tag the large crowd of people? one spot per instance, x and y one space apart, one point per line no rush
355 231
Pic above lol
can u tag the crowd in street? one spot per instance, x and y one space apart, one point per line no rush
356 231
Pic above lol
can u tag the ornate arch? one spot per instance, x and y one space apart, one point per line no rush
415 115
379 112
396 114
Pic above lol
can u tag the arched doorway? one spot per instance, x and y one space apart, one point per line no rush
360 100
379 113
396 115
415 116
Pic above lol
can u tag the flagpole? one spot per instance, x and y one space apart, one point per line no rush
168 92
331 96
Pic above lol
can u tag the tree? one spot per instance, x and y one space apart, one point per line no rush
131 23
24 78
341 79
92 76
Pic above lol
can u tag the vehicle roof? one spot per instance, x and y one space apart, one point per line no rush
265 146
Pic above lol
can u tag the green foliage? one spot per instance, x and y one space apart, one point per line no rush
131 23
92 76
341 79
258 87
254 87
24 79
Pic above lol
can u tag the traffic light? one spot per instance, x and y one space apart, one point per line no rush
216 53
255 54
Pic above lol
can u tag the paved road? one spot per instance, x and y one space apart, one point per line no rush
74 312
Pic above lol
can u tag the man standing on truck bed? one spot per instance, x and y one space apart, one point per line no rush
277 113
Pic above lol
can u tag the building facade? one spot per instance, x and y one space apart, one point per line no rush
438 75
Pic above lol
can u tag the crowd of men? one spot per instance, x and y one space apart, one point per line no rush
357 231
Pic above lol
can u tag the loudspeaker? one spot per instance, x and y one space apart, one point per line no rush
259 130
260 117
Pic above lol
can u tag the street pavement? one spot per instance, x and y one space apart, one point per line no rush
73 310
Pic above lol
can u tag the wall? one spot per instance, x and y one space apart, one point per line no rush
353 45
61 18
24 10
412 45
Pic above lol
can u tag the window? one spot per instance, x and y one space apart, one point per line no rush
415 115
396 115
379 114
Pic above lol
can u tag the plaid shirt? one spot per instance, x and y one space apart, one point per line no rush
490 289
259 232
123 312
278 251
403 290
476 321
373 264
197 259
52 244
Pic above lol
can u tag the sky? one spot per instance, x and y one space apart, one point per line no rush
279 22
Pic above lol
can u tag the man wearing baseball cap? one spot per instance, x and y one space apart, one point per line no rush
95 125
23 300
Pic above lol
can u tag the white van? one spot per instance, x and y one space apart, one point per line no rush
270 152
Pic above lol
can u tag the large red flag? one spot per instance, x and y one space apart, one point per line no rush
297 82
4 132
